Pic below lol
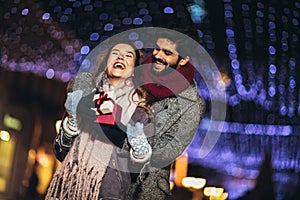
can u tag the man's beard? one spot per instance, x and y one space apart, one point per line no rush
168 68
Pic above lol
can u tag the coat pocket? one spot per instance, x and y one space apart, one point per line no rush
164 185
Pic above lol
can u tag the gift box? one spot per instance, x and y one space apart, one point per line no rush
107 111
105 102
111 118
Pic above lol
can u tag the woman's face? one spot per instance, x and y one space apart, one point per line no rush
120 63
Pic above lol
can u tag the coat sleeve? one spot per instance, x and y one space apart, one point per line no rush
62 145
172 143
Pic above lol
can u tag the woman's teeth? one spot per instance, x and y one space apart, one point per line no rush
119 65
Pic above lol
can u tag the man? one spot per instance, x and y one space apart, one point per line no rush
168 77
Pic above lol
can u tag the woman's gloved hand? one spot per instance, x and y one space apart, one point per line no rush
70 122
138 141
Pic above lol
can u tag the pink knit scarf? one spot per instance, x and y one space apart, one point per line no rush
80 174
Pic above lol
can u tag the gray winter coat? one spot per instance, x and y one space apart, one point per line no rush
177 119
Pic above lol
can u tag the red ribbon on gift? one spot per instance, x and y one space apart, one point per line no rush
102 97
109 118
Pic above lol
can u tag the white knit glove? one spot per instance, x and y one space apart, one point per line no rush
138 141
71 104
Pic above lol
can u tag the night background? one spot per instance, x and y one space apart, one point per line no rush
255 45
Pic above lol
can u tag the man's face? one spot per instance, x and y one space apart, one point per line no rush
165 55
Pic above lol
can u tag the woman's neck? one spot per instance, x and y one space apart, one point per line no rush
115 81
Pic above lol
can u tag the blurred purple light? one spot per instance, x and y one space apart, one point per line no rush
272 25
94 36
259 14
234 100
271 130
295 37
98 4
12 65
285 35
50 73
86 1
232 56
227 6
103 16
25 11
68 11
250 129
108 27
127 21
133 36
272 69
143 11
138 44
76 4
292 83
295 22
137 21
292 63
231 48
235 64
272 50
238 80
69 49
281 89
228 14
88 8
65 76
168 10
235 128
46 16
285 47
245 7
13 10
260 5
85 50
57 9
272 91
200 33
283 110
64 18
147 18
286 11
229 32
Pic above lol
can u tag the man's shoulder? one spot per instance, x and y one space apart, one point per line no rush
190 92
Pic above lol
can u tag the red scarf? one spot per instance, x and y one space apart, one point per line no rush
167 85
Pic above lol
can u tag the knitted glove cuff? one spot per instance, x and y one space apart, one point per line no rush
70 128
140 158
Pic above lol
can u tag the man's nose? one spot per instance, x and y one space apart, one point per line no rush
159 53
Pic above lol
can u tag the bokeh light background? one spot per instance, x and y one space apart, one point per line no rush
255 45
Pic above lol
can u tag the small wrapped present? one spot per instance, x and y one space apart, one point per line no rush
110 118
105 102
107 111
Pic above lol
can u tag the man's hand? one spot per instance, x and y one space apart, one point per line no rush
138 140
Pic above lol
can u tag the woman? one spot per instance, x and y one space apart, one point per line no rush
89 158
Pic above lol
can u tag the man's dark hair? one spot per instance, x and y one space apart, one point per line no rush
182 45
